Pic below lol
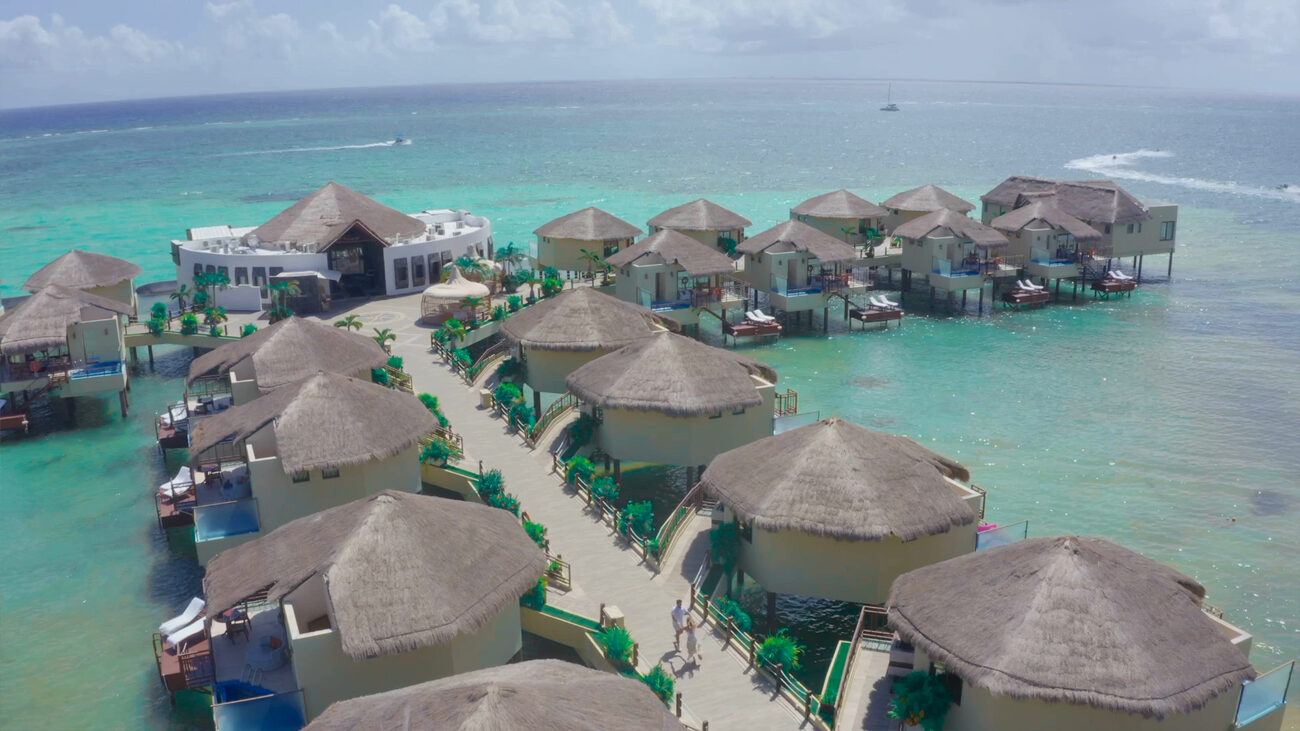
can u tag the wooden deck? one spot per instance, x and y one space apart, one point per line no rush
1106 287
1020 297
169 437
185 669
177 512
876 315
750 329
14 421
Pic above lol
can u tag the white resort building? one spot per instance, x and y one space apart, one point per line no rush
357 246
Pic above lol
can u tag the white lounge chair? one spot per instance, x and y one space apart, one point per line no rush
1027 284
182 483
191 613
885 302
1119 275
176 414
188 632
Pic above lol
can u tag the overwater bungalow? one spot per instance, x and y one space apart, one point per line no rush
1052 244
1071 632
539 695
569 242
65 340
849 217
554 338
953 252
373 595
838 511
1129 228
802 269
672 400
706 222
304 447
98 274
358 246
917 202
676 276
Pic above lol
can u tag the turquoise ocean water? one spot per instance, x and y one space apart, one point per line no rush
1166 422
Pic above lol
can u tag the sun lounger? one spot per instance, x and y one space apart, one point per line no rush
178 622
1119 275
885 301
186 633
759 317
182 483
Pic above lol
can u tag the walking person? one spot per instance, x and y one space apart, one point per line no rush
680 617
692 645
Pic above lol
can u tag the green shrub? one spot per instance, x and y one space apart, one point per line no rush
157 325
499 313
579 467
439 452
638 516
462 356
247 330
781 649
617 644
733 611
605 488
523 413
660 682
580 432
510 369
923 699
159 310
724 546
214 331
491 483
379 375
508 394
429 400
552 286
395 362
189 324
201 299
441 336
514 302
537 532
505 501
535 598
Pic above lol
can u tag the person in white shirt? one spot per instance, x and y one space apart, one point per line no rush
680 617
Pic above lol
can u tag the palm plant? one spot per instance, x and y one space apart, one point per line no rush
473 304
280 294
530 277
593 260
181 294
384 337
454 330
351 322
510 255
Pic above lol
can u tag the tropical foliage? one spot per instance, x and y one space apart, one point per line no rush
182 294
462 356
537 532
733 611
431 403
499 313
384 337
280 294
351 322
579 468
724 547
552 286
395 362
505 501
514 302
189 323
535 598
660 682
637 516
440 452
452 330
605 488
581 431
617 643
158 310
508 394
522 414
380 376
781 649
247 330
510 369
923 700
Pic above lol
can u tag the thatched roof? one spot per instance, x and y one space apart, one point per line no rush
79 269
839 204
292 349
1098 201
41 321
322 217
580 319
1045 211
589 224
672 247
928 197
672 375
700 215
798 236
1006 192
945 222
324 420
538 695
401 570
840 480
456 288
1070 619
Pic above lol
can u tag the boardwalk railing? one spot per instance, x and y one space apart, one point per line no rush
557 409
872 621
682 514
493 354
984 499
787 404
445 434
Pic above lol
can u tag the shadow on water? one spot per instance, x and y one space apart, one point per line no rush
818 624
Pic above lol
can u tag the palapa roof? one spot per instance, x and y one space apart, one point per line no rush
1099 201
1071 619
80 269
580 319
324 420
839 204
401 570
589 224
946 222
322 217
1006 192
1046 211
840 480
41 321
798 236
456 288
673 247
539 695
290 350
928 197
672 375
700 215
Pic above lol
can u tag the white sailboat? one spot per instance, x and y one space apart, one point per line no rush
889 105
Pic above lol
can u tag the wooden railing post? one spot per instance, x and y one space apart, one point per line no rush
601 616
731 630
752 646
679 705
807 704
636 651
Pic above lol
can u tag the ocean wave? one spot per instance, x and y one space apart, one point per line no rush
1121 165
389 143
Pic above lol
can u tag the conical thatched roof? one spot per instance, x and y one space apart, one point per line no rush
401 570
456 288
324 420
1006 192
580 319
700 215
292 349
672 375
839 204
798 236
840 480
328 213
1070 619
538 695
672 247
928 197
41 321
945 222
79 269
1100 201
589 224
1046 211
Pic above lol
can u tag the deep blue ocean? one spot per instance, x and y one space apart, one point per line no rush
1166 422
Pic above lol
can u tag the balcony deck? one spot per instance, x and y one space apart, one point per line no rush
1020 297
750 330
867 315
1106 287
187 668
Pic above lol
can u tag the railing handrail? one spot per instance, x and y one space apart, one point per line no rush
668 532
568 401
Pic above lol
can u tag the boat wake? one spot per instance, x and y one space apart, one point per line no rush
389 143
1123 166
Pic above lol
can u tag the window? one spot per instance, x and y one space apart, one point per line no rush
329 473
1167 231
301 476
241 275
445 256
1139 228
610 250
259 279
1130 228
211 269
716 415
1108 229
417 271
198 269
276 270
399 274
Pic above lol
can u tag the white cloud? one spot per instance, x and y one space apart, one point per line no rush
401 30
27 43
241 28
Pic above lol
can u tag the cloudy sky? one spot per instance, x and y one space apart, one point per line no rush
63 51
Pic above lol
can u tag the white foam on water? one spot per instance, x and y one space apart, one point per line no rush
1122 165
389 143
